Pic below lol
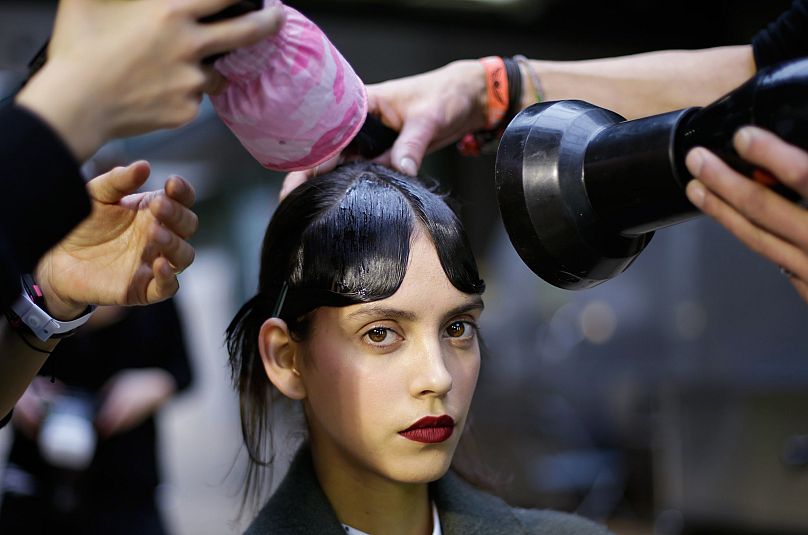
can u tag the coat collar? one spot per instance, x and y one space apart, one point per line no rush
299 507
465 510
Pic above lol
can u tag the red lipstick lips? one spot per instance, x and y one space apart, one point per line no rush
430 429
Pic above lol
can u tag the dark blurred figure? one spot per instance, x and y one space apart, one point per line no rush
84 452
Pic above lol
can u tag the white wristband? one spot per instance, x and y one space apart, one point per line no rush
41 323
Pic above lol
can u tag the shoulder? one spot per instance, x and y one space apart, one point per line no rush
466 509
298 506
543 521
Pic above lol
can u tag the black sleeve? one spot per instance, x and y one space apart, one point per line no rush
784 39
167 342
42 195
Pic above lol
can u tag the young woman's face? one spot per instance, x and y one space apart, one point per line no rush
389 383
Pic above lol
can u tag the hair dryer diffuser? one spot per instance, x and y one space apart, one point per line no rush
581 190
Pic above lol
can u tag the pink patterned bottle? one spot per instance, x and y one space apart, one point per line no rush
292 100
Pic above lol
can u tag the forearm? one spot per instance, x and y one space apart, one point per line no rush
39 175
19 364
645 84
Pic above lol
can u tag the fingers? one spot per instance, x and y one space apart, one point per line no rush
238 32
174 216
801 287
164 284
763 220
180 190
113 186
415 133
203 8
410 147
173 248
757 239
757 203
788 163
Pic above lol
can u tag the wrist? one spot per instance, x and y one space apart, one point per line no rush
499 91
58 307
52 96
473 76
30 341
533 89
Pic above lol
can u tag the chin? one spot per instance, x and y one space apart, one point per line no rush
424 467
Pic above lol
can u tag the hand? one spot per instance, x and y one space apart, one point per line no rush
431 110
130 397
763 220
119 68
30 408
128 251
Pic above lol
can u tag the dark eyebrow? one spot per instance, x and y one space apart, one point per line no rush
385 312
475 303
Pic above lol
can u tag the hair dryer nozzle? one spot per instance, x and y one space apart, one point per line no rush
582 190
543 199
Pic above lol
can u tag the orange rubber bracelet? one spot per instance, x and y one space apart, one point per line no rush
496 90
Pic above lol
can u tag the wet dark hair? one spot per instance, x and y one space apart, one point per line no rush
337 240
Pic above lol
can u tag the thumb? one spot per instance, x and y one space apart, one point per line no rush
116 184
410 147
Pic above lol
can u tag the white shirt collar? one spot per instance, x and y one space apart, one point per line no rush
435 525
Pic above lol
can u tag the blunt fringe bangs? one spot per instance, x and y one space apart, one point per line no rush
339 239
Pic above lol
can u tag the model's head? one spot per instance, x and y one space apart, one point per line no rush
376 335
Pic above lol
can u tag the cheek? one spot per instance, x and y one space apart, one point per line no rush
465 372
326 378
345 391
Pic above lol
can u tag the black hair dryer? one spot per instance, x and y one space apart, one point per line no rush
582 190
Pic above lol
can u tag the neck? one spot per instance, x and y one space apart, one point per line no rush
372 503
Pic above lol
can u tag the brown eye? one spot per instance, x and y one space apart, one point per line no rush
377 334
382 338
456 329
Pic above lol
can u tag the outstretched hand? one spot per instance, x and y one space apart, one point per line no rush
766 222
130 249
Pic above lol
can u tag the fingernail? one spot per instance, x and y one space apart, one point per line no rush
743 138
694 161
695 192
407 165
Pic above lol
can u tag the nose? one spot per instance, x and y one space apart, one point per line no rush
431 376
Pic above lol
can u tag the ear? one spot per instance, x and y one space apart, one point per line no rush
279 353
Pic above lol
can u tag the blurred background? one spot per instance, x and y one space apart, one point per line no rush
670 400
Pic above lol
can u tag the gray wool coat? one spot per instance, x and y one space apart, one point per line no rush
299 507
